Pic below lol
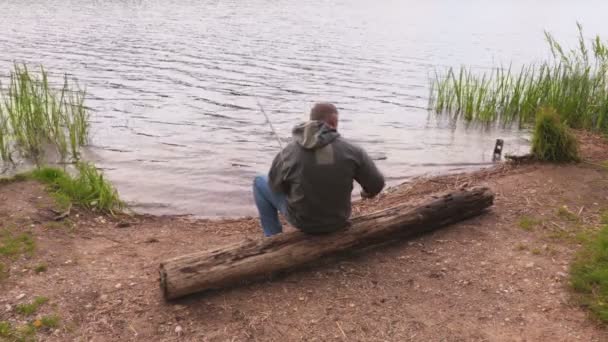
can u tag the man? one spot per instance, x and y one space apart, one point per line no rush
310 182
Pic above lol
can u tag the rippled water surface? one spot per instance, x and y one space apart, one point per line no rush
173 84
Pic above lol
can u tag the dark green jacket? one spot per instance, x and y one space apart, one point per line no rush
316 171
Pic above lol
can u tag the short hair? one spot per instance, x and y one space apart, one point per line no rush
322 111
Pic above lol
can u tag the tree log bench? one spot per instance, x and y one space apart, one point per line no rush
255 258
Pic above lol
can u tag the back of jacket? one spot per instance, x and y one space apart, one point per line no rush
316 172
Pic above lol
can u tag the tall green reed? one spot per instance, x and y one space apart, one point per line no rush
574 82
36 118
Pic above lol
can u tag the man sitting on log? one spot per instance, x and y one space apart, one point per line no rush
311 180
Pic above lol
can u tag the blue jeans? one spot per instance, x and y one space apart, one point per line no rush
269 205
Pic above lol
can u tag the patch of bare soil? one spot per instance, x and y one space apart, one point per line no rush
499 277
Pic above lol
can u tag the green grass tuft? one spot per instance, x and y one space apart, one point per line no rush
31 308
3 271
14 245
25 333
50 321
26 309
564 213
16 178
89 188
589 274
40 268
552 140
6 329
604 217
528 223
41 300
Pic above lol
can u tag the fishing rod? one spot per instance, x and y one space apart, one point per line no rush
276 135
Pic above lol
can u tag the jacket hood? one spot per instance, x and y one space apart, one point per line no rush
312 135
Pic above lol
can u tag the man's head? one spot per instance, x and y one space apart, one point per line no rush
326 112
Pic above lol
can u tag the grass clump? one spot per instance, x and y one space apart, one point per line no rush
40 268
11 246
31 308
6 329
35 117
521 247
23 333
3 271
88 188
604 217
16 178
552 141
589 274
48 322
564 213
528 223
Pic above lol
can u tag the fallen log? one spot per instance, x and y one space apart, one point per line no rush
253 258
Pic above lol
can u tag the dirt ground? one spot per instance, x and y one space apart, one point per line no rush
492 278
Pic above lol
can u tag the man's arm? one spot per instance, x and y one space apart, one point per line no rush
276 178
368 176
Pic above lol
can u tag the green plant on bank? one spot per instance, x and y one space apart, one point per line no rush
574 83
34 117
23 333
3 271
40 268
552 141
528 223
31 308
604 216
5 329
589 274
48 322
564 213
11 246
27 332
16 178
88 188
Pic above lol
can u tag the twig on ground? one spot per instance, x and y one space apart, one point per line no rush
133 329
342 331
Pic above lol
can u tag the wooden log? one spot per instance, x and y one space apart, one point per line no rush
254 258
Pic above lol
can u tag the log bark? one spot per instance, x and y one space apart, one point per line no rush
254 258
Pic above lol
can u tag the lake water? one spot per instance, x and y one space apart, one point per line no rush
173 84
